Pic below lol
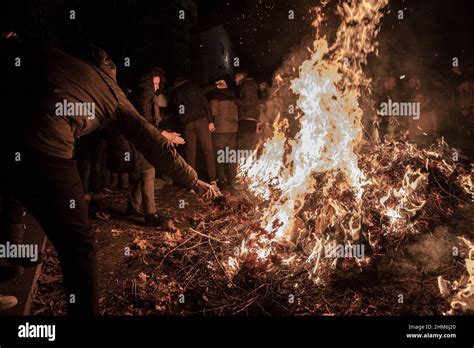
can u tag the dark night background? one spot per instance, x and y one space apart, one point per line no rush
257 31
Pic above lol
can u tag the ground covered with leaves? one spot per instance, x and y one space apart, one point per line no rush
182 269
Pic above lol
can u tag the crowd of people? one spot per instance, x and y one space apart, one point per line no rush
200 121
58 166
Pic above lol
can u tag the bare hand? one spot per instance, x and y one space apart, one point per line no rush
9 34
174 137
212 128
221 84
206 190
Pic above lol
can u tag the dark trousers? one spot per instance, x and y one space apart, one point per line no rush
12 213
12 210
91 152
247 135
51 189
226 171
199 130
142 196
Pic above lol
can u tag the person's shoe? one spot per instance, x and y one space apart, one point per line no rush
97 202
7 302
131 211
102 215
9 271
155 220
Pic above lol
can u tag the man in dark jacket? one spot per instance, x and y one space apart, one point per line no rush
248 110
189 103
69 97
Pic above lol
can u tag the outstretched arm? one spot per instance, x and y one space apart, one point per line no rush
153 145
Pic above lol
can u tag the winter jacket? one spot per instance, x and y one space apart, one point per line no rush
224 111
48 77
189 103
247 101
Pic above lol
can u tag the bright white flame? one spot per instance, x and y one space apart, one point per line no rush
329 118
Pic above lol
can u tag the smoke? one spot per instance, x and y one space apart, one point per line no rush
433 252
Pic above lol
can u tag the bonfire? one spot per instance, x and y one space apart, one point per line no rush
322 187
